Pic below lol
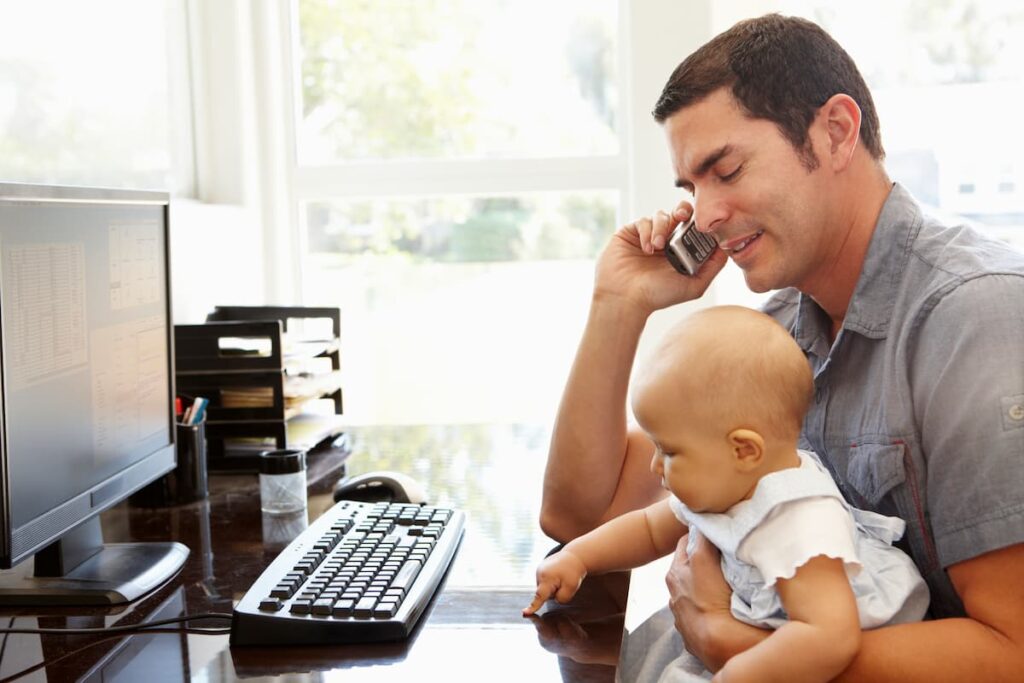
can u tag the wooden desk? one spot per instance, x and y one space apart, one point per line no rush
473 631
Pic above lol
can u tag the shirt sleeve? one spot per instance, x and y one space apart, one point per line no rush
797 531
967 383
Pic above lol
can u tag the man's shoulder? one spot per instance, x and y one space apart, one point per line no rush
947 254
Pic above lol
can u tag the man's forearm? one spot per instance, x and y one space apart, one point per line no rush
933 651
588 446
927 651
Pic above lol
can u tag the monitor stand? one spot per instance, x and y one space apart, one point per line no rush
79 569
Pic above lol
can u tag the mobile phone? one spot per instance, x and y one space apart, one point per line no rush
688 247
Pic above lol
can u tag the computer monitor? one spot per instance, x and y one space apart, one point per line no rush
86 389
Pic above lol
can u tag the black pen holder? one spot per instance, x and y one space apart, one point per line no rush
187 482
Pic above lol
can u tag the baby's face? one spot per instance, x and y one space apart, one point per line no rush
693 456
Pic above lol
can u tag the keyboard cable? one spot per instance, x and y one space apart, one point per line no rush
133 628
109 633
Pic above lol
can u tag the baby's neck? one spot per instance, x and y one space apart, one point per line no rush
779 457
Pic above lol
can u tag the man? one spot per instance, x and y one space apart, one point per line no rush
914 332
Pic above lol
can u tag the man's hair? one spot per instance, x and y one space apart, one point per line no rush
782 69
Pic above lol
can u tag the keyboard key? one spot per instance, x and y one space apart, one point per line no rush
271 604
384 610
343 608
364 607
323 606
407 574
301 606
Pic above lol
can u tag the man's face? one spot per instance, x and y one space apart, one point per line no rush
752 193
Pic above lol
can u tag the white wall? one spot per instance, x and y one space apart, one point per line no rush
219 240
216 258
661 35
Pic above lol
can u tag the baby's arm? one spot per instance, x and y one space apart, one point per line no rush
819 641
631 540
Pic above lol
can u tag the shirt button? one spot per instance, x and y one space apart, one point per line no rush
1016 412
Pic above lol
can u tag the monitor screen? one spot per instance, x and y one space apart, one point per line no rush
86 350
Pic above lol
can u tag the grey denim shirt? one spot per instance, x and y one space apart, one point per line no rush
919 402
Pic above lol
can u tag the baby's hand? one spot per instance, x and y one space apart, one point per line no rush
560 576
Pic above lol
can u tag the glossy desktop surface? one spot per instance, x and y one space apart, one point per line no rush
473 631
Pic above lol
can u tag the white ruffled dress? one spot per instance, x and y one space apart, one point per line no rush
797 514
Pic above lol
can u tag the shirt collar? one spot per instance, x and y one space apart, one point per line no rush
870 308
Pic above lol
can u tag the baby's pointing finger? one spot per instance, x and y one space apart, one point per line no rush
544 591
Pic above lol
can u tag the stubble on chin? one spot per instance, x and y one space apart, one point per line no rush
758 282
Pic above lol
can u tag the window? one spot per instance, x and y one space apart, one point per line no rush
446 79
87 100
459 165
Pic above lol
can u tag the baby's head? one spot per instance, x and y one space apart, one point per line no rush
723 397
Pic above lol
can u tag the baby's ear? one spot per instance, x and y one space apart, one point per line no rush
747 447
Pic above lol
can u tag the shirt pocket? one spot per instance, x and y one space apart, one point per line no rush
874 469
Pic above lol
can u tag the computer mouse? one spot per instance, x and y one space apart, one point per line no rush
381 486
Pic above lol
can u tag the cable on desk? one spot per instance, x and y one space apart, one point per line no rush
134 628
114 632
3 648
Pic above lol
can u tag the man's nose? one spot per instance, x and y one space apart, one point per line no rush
710 208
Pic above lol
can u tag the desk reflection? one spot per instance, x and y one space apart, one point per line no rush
114 658
474 626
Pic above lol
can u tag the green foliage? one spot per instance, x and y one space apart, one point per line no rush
371 71
460 229
492 233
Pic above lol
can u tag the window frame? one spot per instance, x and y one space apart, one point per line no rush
639 172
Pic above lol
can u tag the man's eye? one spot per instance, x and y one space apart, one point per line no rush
732 175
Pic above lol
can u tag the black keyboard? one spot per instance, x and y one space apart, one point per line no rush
361 572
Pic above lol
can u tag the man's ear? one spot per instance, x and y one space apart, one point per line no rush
748 447
841 118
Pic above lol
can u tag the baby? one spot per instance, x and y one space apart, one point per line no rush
723 400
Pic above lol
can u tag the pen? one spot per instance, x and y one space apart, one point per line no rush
198 411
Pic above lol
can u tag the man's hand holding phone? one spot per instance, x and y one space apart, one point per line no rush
633 265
